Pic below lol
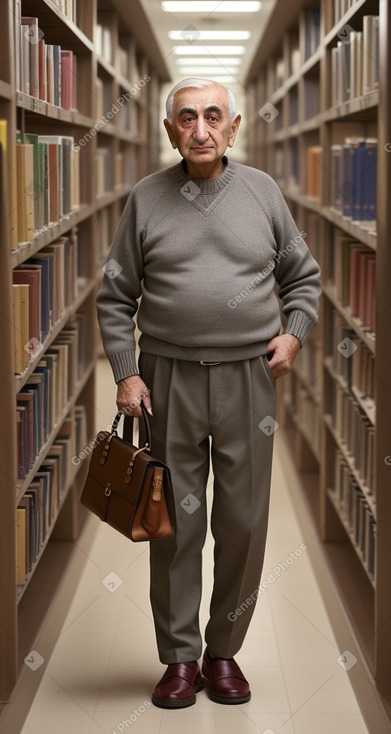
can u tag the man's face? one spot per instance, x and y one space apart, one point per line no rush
201 129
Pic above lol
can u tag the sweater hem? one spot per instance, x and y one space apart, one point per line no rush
151 345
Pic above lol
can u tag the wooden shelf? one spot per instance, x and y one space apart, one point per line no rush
366 235
63 30
367 404
350 461
21 588
32 104
84 292
357 11
21 488
49 234
368 337
303 430
6 90
333 499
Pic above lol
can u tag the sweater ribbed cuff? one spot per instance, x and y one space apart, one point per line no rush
300 325
123 364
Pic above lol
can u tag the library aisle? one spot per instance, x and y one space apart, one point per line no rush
100 666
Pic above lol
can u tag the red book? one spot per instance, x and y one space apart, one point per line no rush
370 295
354 281
67 80
43 81
365 259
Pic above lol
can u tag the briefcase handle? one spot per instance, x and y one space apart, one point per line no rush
144 427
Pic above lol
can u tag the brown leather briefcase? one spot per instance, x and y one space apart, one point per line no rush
126 487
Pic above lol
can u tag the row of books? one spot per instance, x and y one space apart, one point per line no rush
48 181
109 173
363 380
43 399
103 43
311 31
104 233
43 70
312 227
308 364
355 63
38 508
355 512
352 360
355 278
125 113
340 8
306 411
128 64
104 174
356 431
353 178
311 96
68 8
311 41
43 288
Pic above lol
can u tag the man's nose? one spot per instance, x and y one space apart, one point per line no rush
200 132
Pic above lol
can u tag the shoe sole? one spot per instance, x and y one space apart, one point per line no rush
167 703
226 699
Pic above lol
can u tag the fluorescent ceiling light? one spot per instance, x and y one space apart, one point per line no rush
211 6
209 35
216 60
212 70
204 50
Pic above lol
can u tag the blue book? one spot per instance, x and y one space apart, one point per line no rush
350 189
347 182
336 178
370 180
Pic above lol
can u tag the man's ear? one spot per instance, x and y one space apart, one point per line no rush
170 132
234 129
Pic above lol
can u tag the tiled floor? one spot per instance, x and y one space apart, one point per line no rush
104 665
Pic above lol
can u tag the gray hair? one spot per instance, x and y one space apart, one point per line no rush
198 82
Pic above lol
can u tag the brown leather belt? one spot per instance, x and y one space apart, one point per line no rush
208 364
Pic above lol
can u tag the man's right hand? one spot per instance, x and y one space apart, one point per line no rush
131 391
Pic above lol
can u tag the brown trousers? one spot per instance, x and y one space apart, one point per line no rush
203 413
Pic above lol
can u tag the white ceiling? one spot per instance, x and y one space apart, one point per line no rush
191 24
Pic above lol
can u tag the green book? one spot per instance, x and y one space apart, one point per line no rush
32 139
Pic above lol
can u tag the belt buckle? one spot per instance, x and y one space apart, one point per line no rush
208 364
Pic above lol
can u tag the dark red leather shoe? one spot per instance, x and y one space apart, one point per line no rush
226 682
178 686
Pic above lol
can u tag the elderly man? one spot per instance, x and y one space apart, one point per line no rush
204 243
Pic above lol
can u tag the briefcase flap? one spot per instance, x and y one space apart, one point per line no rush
109 478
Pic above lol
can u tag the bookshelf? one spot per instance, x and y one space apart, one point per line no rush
63 185
318 89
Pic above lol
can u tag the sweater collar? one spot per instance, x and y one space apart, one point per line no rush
209 185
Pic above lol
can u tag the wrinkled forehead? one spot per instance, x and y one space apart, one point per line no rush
201 98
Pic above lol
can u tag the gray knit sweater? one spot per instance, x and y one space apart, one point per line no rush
205 256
